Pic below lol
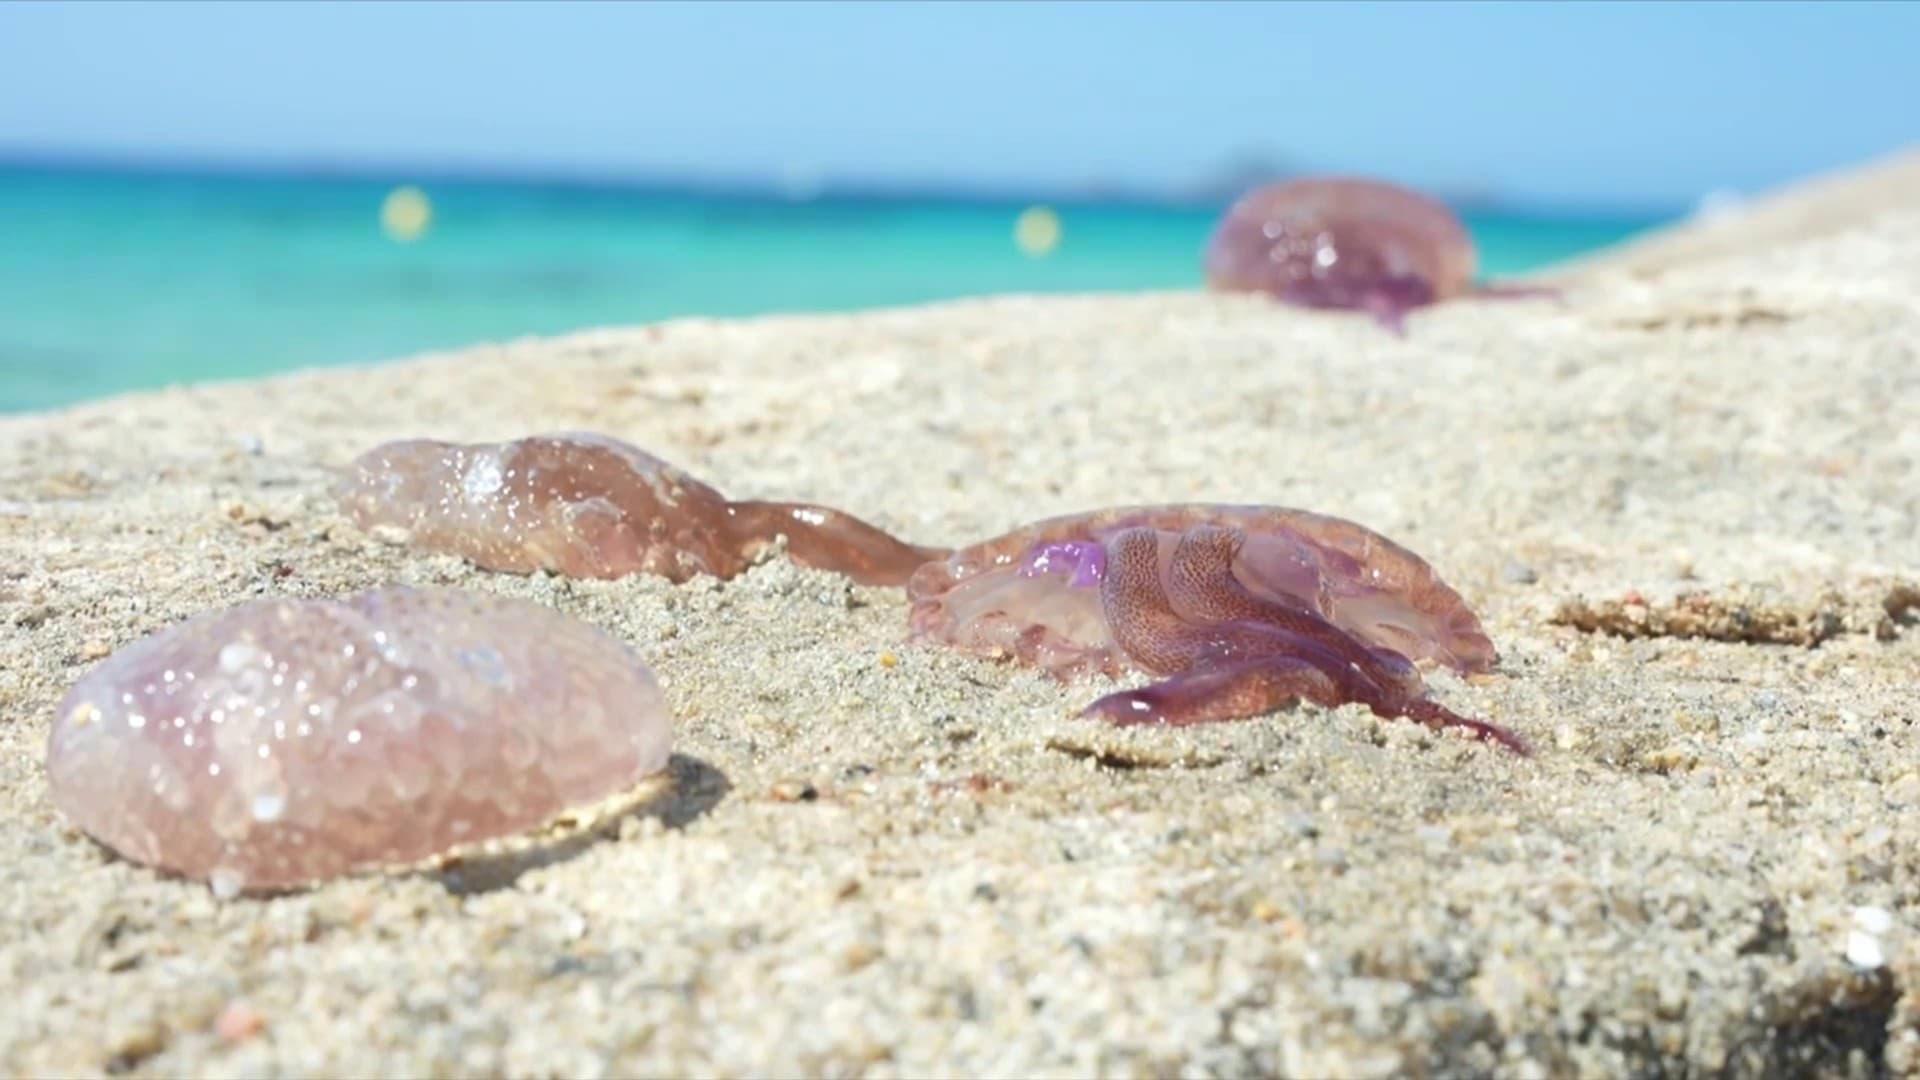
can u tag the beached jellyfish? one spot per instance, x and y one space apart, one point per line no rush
1333 242
1242 609
585 505
283 741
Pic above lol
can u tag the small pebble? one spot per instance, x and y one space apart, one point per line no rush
1905 788
1518 573
1874 920
1865 948
238 1022
1864 951
1331 858
792 791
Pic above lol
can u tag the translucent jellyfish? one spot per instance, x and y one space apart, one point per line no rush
285 741
1349 243
1240 610
586 505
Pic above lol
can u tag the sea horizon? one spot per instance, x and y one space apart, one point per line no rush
802 186
126 273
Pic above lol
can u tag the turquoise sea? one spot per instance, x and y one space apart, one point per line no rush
120 280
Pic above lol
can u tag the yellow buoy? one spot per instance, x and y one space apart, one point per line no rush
1037 231
405 214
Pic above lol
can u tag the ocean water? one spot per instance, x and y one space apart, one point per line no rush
116 281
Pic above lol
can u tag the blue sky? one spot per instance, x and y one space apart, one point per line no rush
1596 104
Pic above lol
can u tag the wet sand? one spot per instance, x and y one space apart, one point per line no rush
1686 503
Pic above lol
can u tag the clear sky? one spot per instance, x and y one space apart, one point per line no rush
1603 103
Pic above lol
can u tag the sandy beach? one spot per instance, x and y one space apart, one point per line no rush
1686 504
